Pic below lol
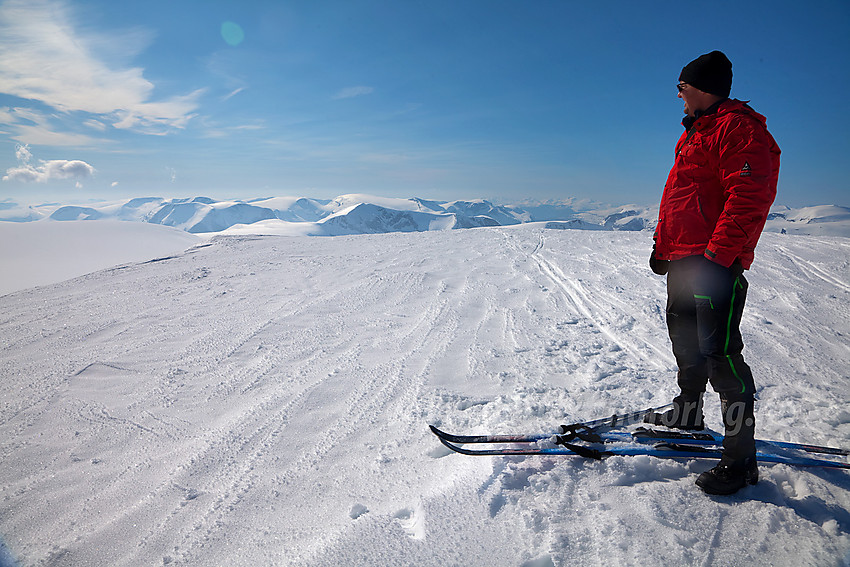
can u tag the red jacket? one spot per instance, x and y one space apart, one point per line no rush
720 189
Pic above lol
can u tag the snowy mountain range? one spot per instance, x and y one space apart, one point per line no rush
367 214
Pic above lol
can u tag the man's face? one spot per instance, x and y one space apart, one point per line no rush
686 93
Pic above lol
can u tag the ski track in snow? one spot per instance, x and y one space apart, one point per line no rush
265 401
599 310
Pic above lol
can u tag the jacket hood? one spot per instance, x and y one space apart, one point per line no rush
733 105
723 107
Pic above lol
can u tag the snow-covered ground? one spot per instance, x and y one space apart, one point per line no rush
45 252
264 400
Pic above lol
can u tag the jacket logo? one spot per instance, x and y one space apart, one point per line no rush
746 171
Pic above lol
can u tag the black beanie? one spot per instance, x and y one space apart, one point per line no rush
711 73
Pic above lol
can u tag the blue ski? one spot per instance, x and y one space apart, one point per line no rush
661 450
640 435
575 430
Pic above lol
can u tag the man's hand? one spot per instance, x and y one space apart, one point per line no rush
660 267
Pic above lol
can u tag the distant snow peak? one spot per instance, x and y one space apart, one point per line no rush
345 215
365 218
820 220
358 213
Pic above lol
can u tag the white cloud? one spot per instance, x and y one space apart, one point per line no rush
351 92
96 125
50 170
46 170
23 154
232 94
213 130
46 58
33 127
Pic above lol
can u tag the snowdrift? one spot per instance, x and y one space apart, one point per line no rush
41 253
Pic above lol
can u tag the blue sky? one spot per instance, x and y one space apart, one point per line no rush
506 100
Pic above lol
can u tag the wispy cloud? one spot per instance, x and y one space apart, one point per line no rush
384 158
232 94
351 92
36 128
215 130
45 171
45 57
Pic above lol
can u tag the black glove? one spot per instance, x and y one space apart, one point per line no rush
736 269
660 267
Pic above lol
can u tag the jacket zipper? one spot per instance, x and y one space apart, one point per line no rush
699 208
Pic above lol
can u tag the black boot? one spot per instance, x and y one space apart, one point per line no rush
686 415
737 467
729 476
740 423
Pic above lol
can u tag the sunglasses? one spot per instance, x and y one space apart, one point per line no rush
681 86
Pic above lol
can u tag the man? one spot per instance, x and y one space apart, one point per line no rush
713 210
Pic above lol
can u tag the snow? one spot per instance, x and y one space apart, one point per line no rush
822 220
45 252
264 400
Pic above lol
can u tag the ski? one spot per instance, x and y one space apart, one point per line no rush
699 451
616 420
639 435
583 430
661 450
711 437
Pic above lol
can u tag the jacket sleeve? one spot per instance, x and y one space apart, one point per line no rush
746 175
